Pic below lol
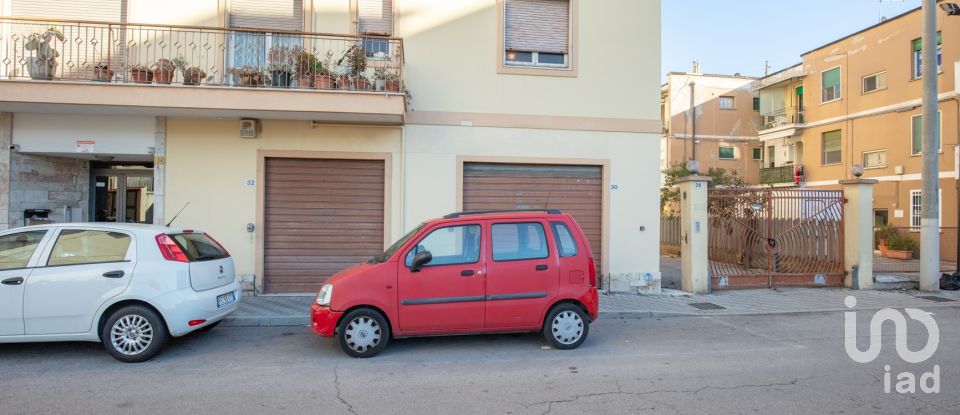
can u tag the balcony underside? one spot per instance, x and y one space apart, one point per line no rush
331 106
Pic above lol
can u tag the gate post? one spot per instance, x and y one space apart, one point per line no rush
695 264
858 232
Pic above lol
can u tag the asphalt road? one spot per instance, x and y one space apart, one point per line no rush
720 365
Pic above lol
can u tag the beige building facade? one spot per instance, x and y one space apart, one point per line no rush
474 104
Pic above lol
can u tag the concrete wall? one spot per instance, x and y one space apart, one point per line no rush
42 182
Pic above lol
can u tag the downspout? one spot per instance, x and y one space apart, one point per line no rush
693 121
403 179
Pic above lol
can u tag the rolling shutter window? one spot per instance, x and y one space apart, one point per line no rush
267 14
114 11
375 17
537 25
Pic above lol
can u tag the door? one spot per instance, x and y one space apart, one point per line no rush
123 196
522 274
320 217
16 252
83 269
447 293
574 189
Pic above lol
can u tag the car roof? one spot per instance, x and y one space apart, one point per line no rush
130 227
502 214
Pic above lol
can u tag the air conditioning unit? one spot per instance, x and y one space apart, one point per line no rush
249 128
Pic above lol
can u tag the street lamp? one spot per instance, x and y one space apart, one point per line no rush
952 9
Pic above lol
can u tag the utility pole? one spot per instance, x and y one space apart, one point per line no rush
693 120
930 212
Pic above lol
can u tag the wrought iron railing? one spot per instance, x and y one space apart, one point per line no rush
51 50
777 175
781 117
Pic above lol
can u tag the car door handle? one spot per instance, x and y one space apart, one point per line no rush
542 267
12 281
113 274
466 273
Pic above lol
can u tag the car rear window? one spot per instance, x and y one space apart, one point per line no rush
565 241
199 247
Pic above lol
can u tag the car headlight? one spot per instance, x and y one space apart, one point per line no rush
326 292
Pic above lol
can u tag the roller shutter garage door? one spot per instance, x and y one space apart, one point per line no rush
320 216
577 190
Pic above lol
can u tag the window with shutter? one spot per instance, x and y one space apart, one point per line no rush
251 49
113 11
537 32
831 85
830 148
375 18
916 133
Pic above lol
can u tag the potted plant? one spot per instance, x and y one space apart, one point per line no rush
247 76
356 58
304 64
281 66
325 77
140 74
900 247
192 75
385 79
102 72
884 233
164 72
43 57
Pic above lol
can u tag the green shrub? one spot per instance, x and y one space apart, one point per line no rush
899 242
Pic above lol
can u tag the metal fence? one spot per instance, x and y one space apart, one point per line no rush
48 50
670 234
902 256
781 117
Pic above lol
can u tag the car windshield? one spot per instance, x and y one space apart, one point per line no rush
396 245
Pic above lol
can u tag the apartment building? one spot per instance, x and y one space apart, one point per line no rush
856 101
723 132
308 135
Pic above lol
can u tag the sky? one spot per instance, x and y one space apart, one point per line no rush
738 36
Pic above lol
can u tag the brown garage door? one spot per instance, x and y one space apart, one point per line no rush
577 190
321 216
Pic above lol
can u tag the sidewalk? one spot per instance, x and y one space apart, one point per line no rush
294 310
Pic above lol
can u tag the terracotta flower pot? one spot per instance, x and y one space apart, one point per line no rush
325 82
361 84
193 77
164 72
141 76
103 74
343 82
899 254
883 247
393 86
305 81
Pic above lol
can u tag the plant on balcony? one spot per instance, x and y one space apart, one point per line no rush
281 66
356 62
303 66
43 57
900 246
141 74
164 72
324 74
102 72
192 75
385 79
247 76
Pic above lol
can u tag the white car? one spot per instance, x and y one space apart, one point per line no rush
129 286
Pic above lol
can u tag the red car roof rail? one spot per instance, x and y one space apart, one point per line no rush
485 212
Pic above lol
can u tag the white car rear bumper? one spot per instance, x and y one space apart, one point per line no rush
181 307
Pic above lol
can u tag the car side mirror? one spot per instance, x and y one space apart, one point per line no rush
420 259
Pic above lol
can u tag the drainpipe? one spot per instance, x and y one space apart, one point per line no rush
693 120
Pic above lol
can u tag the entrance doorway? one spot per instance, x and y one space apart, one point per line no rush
122 194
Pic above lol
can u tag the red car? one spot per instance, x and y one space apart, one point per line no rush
467 273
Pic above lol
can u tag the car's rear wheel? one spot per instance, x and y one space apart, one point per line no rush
566 327
134 334
363 332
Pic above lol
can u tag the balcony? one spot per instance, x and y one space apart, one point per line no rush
780 118
199 71
777 175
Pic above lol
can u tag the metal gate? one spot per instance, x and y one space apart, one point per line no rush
760 238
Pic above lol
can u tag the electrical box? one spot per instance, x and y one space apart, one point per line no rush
249 128
898 170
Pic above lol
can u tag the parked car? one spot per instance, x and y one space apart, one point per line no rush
467 273
128 286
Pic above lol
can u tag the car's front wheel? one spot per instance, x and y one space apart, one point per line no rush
566 326
363 332
134 334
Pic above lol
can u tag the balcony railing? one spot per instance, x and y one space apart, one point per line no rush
777 175
781 117
48 50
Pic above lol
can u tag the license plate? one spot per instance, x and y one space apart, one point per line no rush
224 300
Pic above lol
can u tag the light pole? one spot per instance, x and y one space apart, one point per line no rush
930 211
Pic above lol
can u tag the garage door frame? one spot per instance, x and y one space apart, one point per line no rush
263 155
604 165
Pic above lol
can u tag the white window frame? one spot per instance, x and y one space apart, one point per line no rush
536 60
863 159
720 155
823 152
732 100
916 71
863 83
839 95
916 209
939 139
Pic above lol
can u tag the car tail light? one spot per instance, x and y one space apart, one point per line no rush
193 323
227 253
593 272
169 249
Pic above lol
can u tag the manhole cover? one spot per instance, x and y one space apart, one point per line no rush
707 306
935 298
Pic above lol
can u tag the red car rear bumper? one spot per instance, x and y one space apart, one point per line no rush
592 301
323 320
